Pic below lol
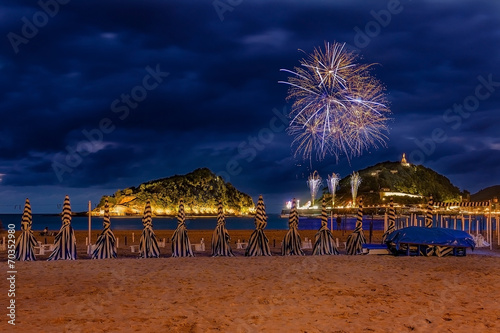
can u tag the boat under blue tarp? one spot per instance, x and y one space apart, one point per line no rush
430 238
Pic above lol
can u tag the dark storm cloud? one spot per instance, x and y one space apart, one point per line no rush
222 88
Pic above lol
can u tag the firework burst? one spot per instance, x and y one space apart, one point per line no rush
338 107
355 182
333 182
314 183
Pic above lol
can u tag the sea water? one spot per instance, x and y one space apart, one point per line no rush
274 222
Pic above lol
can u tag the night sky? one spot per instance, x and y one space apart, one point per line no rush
96 97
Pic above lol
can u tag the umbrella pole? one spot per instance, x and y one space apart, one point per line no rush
498 228
331 219
385 222
490 230
90 227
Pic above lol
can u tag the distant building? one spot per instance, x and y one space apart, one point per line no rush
404 162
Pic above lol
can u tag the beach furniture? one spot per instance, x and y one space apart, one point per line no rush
306 244
90 249
291 245
181 246
65 241
199 247
105 246
26 241
378 249
148 245
392 221
162 243
241 245
480 241
355 241
258 244
220 238
44 248
417 241
324 243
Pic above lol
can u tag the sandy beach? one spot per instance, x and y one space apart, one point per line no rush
262 294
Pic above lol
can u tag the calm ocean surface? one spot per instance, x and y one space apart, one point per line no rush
53 222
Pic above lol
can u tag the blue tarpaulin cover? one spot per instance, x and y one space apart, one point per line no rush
431 236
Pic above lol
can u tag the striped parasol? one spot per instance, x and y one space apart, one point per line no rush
392 221
258 244
355 241
220 238
324 243
292 243
65 241
181 246
26 241
148 245
428 215
430 250
106 242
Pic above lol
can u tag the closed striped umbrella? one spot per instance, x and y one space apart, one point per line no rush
324 243
26 241
148 244
392 221
65 240
428 215
430 250
355 241
291 243
181 246
220 238
106 242
258 244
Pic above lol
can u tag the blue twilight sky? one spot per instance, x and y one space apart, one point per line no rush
97 96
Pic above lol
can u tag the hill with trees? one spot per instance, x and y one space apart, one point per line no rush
401 178
200 189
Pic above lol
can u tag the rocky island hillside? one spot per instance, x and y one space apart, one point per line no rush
399 178
200 189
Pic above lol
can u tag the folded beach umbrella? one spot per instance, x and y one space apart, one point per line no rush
106 242
430 250
292 243
355 241
258 244
65 241
26 241
392 221
181 246
428 215
148 245
220 238
324 244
